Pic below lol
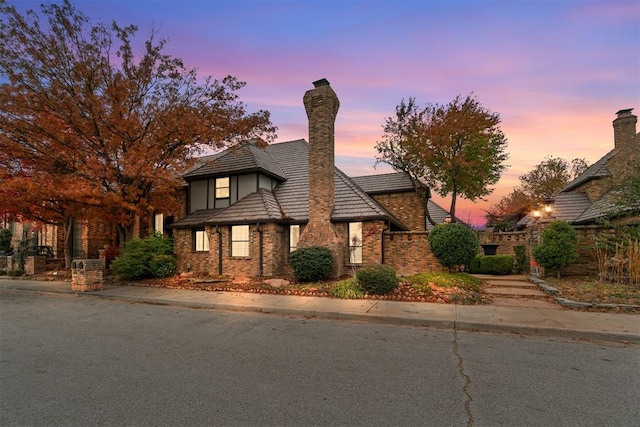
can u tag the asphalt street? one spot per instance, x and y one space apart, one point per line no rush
69 360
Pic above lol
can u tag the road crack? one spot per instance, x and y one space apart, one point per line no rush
466 378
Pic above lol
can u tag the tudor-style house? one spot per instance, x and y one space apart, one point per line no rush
590 197
249 207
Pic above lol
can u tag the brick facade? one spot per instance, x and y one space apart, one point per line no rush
407 207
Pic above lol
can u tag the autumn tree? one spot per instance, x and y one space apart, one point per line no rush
543 181
550 176
91 126
456 149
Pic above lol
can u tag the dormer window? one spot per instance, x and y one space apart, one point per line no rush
222 188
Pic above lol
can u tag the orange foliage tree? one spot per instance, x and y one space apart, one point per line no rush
88 129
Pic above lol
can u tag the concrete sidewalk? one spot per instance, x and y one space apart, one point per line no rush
555 322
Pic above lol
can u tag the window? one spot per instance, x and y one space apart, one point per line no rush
294 237
222 188
355 243
240 241
158 223
200 241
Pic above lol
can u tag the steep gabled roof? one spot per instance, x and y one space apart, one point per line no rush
260 206
289 200
245 158
595 171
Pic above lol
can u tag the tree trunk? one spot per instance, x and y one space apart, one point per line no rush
425 194
67 223
125 233
452 210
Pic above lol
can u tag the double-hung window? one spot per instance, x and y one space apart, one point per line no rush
158 223
355 243
240 241
200 241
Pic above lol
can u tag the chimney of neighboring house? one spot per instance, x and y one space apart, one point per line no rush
624 127
321 105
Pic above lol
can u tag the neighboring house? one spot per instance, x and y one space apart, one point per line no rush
589 197
249 207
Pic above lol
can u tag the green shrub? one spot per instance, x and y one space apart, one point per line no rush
377 279
559 246
5 240
348 289
492 264
310 264
520 262
3 272
475 266
497 264
137 257
453 244
162 265
15 273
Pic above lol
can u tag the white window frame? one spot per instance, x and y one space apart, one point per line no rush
158 223
240 241
200 241
355 242
294 237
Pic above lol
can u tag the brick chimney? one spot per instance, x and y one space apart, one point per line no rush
624 128
321 105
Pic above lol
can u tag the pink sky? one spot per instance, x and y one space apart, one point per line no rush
555 71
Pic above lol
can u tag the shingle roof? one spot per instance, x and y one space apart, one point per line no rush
385 183
196 219
597 170
244 158
289 201
260 206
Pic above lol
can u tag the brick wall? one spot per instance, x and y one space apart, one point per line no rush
407 207
409 253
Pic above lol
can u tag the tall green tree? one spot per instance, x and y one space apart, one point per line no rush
457 149
93 126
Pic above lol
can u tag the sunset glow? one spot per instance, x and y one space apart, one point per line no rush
555 71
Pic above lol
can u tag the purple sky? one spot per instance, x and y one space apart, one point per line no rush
556 71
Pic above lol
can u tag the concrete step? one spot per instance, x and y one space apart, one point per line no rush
525 302
515 291
511 284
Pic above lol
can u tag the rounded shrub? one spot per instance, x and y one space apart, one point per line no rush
310 264
453 244
137 258
559 246
377 279
162 266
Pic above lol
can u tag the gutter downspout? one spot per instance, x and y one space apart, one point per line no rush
219 250
260 250
382 243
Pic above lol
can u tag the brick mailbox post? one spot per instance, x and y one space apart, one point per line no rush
86 275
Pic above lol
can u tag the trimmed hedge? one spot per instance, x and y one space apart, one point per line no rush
311 264
492 264
377 279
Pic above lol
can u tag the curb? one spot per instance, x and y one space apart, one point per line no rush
453 325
